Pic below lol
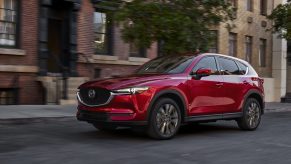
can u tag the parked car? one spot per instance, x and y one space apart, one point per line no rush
172 90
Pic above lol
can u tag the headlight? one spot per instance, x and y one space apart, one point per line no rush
131 90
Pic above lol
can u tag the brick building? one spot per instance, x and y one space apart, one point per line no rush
43 40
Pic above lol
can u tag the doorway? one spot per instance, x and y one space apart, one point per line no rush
57 39
55 57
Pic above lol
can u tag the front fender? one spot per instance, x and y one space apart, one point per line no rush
172 93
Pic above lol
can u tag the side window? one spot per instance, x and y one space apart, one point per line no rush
207 63
242 68
228 66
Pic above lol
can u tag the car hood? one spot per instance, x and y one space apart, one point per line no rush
118 82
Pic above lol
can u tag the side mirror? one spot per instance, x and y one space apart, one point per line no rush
201 73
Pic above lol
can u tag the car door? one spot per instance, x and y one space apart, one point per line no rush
206 97
233 83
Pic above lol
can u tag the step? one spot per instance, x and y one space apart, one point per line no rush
68 102
286 100
288 95
72 96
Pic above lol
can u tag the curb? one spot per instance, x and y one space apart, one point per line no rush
277 110
17 121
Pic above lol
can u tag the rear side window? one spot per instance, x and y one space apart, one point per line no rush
228 67
206 63
242 68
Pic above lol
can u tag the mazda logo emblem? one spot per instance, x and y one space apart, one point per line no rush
91 94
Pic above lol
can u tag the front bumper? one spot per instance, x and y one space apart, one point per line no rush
107 118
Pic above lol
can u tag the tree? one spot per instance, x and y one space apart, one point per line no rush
182 25
281 16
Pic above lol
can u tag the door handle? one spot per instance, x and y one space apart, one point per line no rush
219 84
245 82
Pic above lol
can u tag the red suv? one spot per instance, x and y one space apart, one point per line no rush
172 90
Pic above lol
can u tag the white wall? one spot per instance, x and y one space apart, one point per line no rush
269 89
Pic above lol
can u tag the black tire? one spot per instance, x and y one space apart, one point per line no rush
164 119
106 128
252 112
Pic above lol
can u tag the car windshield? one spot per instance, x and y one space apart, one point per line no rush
166 64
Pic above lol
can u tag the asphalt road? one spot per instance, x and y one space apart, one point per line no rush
69 141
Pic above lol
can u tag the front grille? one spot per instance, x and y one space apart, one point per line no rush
94 96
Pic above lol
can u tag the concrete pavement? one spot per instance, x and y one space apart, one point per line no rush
58 111
67 140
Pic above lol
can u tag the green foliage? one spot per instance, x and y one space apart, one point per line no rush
281 16
182 25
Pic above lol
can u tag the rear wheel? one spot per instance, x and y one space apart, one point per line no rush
252 113
165 119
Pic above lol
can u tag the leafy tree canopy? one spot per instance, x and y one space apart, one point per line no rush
281 16
182 25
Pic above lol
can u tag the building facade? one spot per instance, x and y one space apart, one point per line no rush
252 40
43 42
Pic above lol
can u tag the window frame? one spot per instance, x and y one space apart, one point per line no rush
216 63
264 7
222 72
248 52
108 34
247 70
249 5
216 42
262 61
11 97
234 4
17 26
235 44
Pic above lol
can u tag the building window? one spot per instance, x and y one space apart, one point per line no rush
97 73
232 44
233 3
248 48
161 44
263 7
8 96
249 5
262 53
8 23
289 53
102 33
213 46
137 52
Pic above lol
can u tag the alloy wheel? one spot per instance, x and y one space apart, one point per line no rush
253 114
167 119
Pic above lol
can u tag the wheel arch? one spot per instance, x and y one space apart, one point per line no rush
258 96
174 95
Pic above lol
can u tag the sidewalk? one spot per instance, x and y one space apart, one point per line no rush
37 111
16 112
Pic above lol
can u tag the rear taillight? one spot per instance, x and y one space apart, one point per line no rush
261 80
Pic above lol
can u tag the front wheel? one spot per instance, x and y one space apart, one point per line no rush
165 119
252 113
